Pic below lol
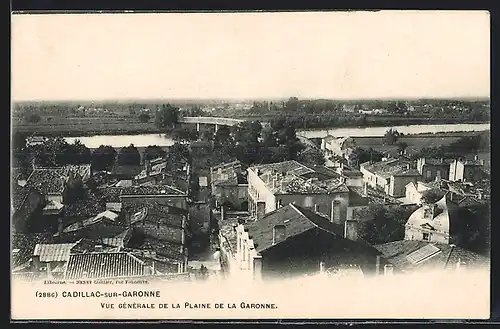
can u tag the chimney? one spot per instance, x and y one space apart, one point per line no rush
377 265
388 270
261 209
322 267
222 213
279 233
351 229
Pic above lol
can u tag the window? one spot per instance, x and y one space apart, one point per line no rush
426 237
428 174
438 174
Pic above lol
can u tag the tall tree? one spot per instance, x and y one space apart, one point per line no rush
391 136
103 157
167 117
77 153
178 152
129 155
292 104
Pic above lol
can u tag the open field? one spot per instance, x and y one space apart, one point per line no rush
87 126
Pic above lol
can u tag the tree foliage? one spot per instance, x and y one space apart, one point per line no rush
153 152
312 156
361 155
103 157
432 196
129 156
391 136
178 152
383 224
144 117
184 135
167 117
402 146
55 152
461 147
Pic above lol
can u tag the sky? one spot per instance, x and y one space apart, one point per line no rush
337 55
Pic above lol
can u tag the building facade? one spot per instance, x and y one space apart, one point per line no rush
431 169
229 185
295 241
466 170
317 188
391 176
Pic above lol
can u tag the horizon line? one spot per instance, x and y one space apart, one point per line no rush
233 99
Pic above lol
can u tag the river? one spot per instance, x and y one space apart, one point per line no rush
143 140
380 131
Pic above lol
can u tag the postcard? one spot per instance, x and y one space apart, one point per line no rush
250 165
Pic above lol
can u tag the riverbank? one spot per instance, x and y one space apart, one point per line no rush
86 127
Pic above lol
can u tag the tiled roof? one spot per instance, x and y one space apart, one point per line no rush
83 170
53 205
473 163
24 244
296 220
231 164
103 265
47 180
103 216
85 245
291 177
286 166
52 180
374 197
114 206
119 240
162 248
124 183
390 168
151 190
19 195
156 213
448 256
56 252
162 264
435 162
91 206
110 194
160 231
